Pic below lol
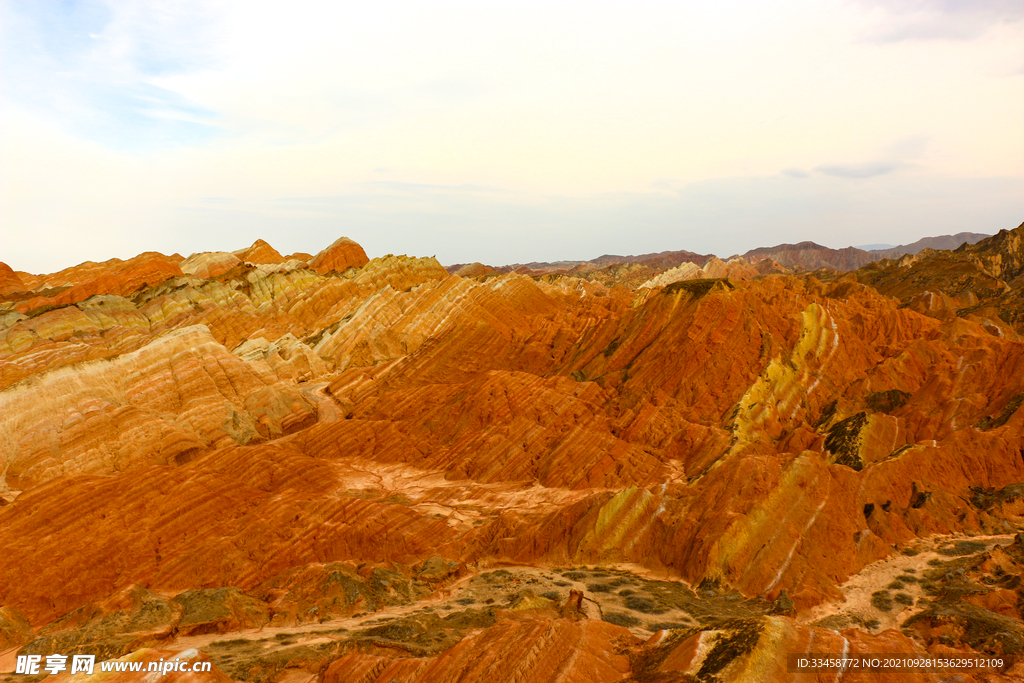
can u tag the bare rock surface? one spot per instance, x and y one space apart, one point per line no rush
372 469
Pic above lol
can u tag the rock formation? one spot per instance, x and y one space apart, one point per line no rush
209 264
340 256
404 474
10 283
715 268
260 252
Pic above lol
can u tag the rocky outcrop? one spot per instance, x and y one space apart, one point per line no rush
261 253
124 622
980 282
166 403
715 268
209 264
111 277
340 256
472 270
286 357
939 243
284 446
686 271
10 283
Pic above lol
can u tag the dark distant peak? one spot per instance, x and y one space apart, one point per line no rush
799 246
938 243
808 256
664 259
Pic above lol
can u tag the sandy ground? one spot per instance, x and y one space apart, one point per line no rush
492 587
859 588
638 598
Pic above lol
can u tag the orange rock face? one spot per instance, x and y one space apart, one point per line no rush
260 252
209 264
9 280
551 649
318 443
112 277
340 256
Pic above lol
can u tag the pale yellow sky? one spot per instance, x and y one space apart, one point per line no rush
505 132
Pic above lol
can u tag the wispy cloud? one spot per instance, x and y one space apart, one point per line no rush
597 126
901 20
858 171
909 147
92 68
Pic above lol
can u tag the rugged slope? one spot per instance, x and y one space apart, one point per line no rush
941 242
980 282
324 444
807 256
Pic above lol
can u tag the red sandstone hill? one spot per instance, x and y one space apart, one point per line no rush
398 473
10 283
340 256
260 252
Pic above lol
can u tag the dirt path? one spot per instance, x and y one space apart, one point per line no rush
326 406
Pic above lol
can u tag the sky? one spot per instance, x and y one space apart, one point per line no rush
504 132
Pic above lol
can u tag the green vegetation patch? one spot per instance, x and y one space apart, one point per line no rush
645 605
887 401
1004 416
621 619
991 498
698 288
903 599
881 600
844 443
961 548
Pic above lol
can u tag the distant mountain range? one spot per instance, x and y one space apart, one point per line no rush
811 256
942 242
802 256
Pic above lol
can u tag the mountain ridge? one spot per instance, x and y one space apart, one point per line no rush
406 473
806 255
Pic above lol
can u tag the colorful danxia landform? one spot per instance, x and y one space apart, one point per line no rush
664 468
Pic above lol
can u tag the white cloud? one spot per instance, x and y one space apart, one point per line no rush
900 20
122 121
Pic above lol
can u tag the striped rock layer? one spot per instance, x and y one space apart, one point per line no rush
181 424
